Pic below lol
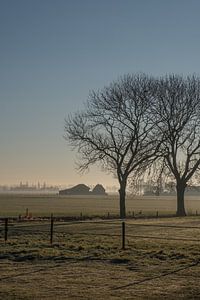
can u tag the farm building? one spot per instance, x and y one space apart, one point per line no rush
82 189
99 190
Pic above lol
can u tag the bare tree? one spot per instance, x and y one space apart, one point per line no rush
116 130
177 117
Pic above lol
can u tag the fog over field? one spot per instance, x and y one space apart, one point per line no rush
44 205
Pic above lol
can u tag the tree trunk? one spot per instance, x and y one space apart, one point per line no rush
180 188
122 198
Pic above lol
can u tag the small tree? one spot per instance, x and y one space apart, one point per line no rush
176 112
116 130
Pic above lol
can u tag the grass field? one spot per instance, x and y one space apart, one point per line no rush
161 260
44 205
86 261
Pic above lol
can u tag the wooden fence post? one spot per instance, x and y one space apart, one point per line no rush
6 230
51 234
123 235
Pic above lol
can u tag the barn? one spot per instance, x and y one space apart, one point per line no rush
82 189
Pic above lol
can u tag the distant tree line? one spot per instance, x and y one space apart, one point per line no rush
138 122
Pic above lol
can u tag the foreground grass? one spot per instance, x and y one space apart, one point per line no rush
86 260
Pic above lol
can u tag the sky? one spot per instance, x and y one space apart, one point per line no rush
54 52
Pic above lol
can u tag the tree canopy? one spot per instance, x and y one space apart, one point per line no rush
116 129
176 110
138 120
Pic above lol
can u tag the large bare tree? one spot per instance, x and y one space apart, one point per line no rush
176 113
116 130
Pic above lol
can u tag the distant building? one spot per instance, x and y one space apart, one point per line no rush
99 190
82 189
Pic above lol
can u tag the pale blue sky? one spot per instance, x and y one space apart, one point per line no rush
52 53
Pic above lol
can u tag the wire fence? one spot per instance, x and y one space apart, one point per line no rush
125 232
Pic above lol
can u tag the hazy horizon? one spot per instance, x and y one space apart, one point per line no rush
54 53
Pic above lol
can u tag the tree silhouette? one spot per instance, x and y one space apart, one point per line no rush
176 111
116 130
